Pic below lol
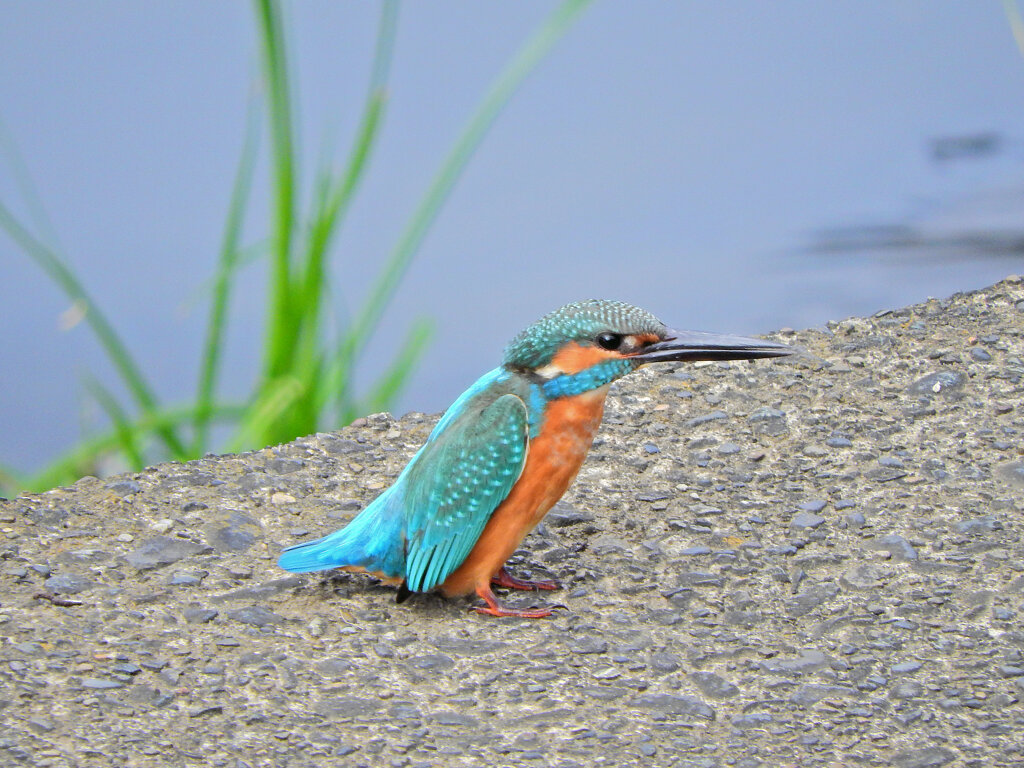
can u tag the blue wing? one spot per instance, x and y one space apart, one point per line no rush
464 473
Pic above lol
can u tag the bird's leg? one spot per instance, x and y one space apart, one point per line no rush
494 608
505 579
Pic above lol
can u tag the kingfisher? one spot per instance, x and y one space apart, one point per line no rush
505 452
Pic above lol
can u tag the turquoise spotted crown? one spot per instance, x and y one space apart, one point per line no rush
580 321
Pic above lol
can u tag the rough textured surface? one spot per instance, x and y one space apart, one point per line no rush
813 561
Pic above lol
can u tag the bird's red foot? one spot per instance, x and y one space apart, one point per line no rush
505 579
494 608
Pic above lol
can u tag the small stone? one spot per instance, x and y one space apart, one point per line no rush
40 725
946 383
162 526
979 354
805 602
432 662
199 615
687 706
123 487
203 711
588 645
68 584
838 442
895 545
713 685
100 683
1012 473
927 757
256 615
751 720
704 419
905 668
810 694
334 668
908 690
807 661
696 551
564 515
768 421
185 580
806 521
162 551
664 662
864 576
234 532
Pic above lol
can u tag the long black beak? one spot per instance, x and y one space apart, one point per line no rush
696 345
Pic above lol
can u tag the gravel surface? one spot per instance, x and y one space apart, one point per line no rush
811 561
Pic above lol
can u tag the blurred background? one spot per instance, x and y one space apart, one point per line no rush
730 166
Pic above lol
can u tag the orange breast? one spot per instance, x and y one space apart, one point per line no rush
554 459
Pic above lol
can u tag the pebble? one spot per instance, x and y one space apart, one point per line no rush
234 532
752 720
162 551
255 615
666 704
68 584
713 685
806 521
199 615
945 383
895 545
100 683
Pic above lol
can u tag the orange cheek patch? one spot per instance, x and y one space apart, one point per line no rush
573 357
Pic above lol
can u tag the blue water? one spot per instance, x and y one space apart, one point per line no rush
731 166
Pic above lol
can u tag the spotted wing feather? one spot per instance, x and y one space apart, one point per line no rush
468 472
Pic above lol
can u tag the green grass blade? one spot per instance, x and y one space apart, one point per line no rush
228 264
261 417
340 196
61 274
498 95
127 439
388 386
27 189
280 318
334 197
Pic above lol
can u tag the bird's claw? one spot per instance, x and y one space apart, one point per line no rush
505 579
494 608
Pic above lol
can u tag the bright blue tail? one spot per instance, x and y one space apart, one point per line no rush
372 540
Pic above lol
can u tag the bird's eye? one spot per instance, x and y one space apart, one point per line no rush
608 340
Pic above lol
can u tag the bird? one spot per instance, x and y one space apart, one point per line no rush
504 452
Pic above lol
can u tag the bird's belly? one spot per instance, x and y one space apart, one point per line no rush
554 459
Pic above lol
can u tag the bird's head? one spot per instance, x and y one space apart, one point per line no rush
618 338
